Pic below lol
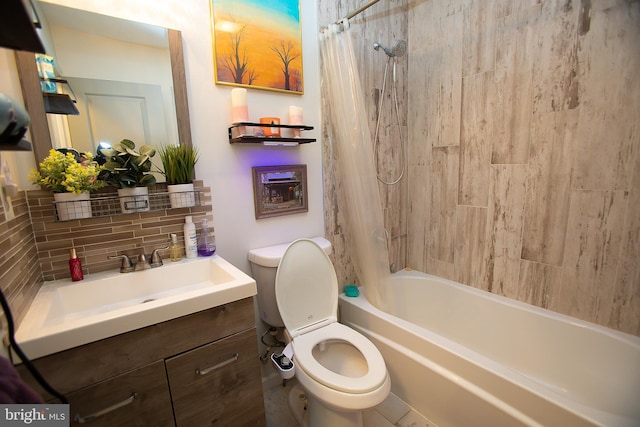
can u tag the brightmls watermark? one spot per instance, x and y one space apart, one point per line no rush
34 415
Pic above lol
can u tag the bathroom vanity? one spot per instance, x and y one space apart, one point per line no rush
174 345
199 369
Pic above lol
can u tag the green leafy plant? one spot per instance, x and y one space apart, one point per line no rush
62 173
127 168
179 162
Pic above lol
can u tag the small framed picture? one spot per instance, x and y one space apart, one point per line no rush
279 190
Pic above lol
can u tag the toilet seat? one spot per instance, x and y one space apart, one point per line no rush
307 296
304 344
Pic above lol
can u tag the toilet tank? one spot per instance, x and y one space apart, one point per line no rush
264 265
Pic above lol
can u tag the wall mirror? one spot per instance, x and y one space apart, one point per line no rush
279 190
128 78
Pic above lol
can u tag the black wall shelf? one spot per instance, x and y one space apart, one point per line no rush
237 134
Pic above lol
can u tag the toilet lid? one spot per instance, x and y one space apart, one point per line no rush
306 286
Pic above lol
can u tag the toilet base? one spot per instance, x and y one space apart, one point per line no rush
312 413
298 406
319 415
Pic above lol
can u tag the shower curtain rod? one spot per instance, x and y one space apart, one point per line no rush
360 10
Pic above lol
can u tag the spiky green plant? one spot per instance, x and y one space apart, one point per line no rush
179 162
127 168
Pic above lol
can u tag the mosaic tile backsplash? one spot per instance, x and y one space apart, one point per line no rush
36 249
20 272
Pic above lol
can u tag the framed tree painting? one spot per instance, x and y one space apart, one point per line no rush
258 44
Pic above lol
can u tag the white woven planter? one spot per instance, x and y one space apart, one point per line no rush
134 200
72 206
181 195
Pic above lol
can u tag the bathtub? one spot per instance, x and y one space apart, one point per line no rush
464 357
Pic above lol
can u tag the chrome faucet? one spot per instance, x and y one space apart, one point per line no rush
127 266
156 259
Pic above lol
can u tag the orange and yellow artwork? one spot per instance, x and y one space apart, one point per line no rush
258 44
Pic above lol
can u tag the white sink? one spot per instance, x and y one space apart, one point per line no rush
67 314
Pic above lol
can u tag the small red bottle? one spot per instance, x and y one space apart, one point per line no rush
75 267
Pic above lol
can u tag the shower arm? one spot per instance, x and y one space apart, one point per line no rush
358 11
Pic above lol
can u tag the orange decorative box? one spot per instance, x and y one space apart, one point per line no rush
270 131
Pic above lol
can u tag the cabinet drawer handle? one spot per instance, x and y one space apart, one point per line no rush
81 420
214 367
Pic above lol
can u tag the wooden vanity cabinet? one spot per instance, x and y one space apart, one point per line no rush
218 384
147 377
137 398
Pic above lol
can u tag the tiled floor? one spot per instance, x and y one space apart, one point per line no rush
393 412
276 399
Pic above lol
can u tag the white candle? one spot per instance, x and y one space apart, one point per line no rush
239 107
295 115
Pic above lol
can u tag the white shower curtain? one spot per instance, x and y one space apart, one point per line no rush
350 140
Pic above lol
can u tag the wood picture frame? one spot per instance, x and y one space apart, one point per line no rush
279 190
258 44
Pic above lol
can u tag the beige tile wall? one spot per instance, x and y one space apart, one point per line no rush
20 273
524 140
95 239
547 209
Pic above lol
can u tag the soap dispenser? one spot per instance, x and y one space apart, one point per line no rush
75 266
175 250
206 240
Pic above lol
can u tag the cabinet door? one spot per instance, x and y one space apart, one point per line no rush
136 398
218 384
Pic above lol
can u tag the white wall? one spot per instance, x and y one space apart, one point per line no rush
227 168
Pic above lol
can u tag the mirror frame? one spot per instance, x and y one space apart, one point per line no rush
34 103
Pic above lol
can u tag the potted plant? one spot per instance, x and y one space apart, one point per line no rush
179 163
70 180
129 170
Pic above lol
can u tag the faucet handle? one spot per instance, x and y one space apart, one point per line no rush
126 266
156 259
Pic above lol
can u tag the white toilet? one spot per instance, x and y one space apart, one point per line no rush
341 371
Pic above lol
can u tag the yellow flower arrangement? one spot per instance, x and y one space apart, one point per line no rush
62 173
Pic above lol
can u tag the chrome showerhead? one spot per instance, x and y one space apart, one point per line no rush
399 48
